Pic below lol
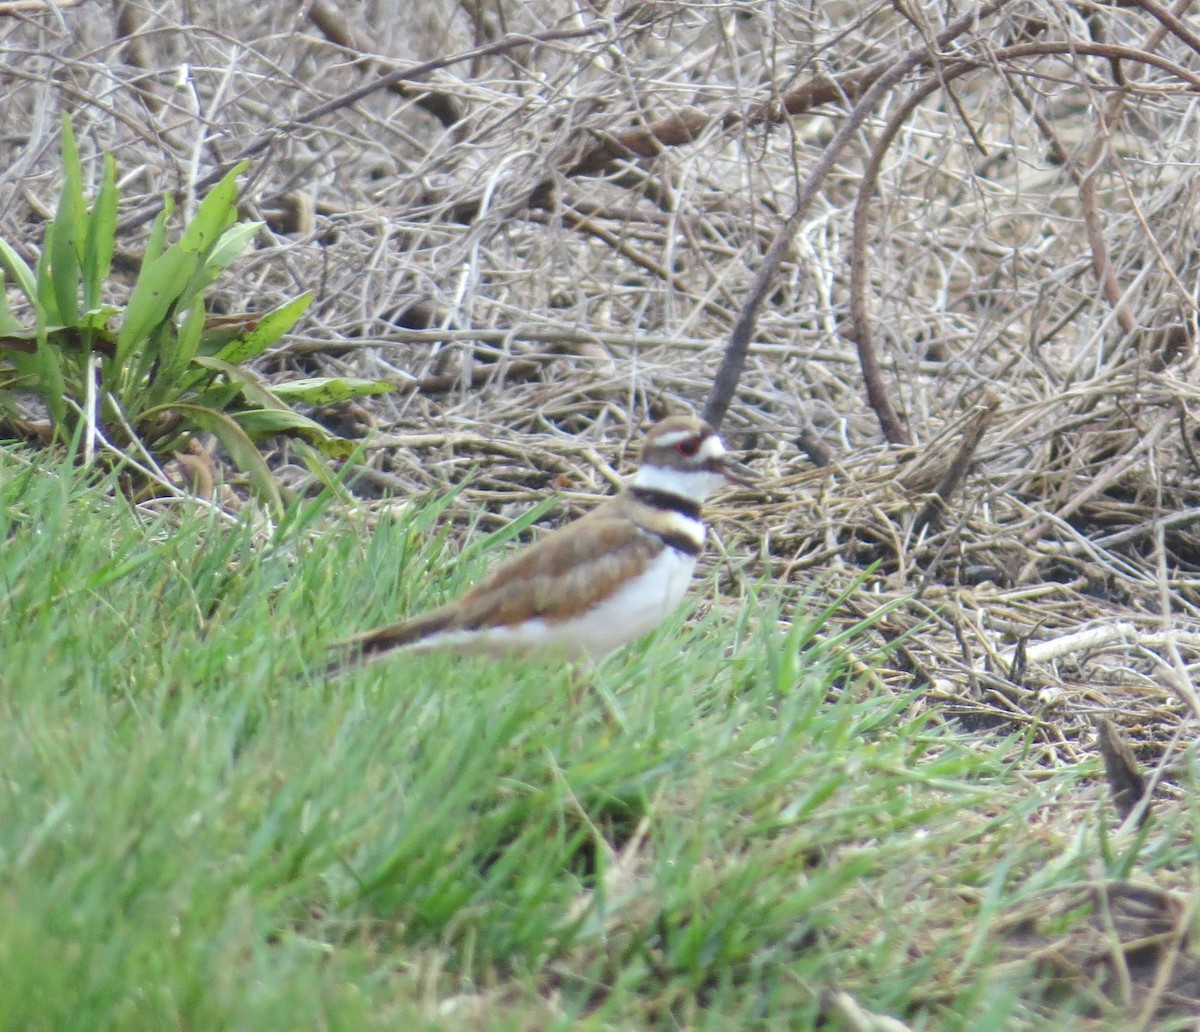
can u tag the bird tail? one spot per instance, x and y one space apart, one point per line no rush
372 645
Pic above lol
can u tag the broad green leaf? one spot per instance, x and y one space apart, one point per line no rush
260 423
174 377
20 271
248 383
270 328
270 415
239 446
66 244
219 397
101 236
184 347
325 390
99 317
158 233
157 289
215 214
47 299
232 243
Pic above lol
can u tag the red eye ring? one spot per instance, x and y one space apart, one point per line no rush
688 446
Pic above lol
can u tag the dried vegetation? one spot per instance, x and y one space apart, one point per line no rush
960 252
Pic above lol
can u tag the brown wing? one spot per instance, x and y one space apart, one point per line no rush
565 573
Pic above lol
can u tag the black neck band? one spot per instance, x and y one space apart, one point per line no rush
666 500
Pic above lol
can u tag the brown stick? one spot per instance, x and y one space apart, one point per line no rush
935 507
1170 22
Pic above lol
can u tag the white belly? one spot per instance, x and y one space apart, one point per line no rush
629 613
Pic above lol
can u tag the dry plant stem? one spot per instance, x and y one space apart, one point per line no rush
1097 158
687 126
684 127
335 26
1103 480
1170 21
877 394
935 508
19 7
730 370
868 359
265 139
1182 679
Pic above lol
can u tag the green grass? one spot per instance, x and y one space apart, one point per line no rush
721 830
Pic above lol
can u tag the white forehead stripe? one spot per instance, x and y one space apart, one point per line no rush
712 448
673 438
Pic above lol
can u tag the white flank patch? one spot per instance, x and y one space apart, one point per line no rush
629 613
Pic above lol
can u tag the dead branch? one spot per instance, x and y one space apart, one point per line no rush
934 509
21 7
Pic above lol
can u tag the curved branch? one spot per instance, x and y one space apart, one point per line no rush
730 370
877 394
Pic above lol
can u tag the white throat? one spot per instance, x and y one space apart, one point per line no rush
693 484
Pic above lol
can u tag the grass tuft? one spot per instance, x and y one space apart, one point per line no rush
730 826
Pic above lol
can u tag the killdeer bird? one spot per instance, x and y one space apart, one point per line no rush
583 590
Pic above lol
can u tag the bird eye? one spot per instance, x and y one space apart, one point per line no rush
688 446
